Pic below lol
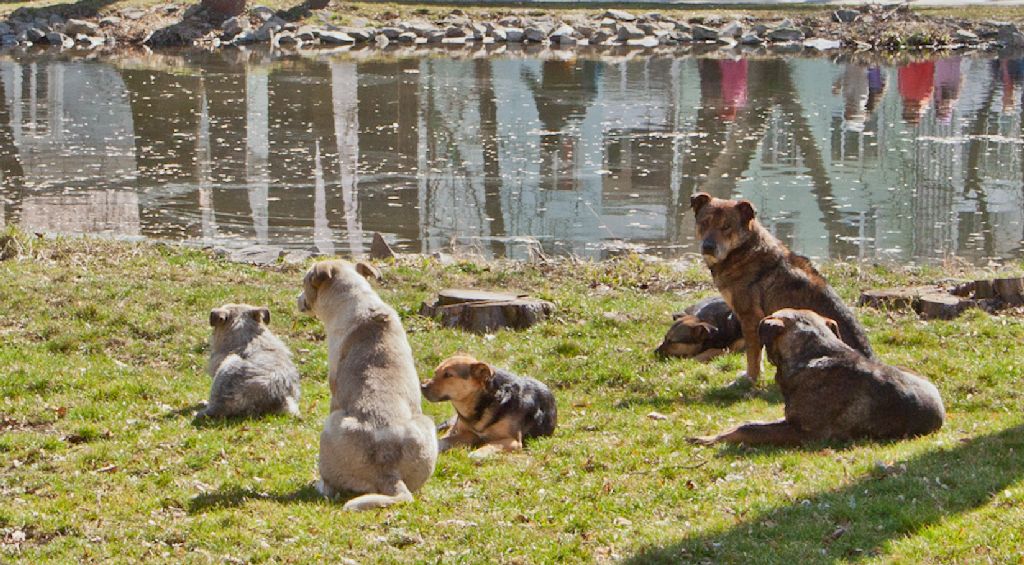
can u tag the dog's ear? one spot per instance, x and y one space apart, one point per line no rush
699 200
217 317
769 329
832 325
746 210
481 371
368 271
705 329
261 315
321 273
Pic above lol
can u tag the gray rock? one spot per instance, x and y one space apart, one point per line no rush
786 34
563 30
966 36
600 36
435 36
133 13
822 44
566 41
379 249
256 255
8 40
515 35
455 31
297 256
480 31
643 42
609 23
731 29
625 32
499 34
845 16
585 30
6 29
421 29
681 37
110 21
654 16
646 27
535 34
454 40
759 29
680 26
704 33
390 32
407 37
306 33
381 40
35 35
59 39
1010 36
234 26
750 39
359 34
75 27
262 12
335 38
620 15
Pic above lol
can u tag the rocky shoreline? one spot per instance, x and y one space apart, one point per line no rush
866 28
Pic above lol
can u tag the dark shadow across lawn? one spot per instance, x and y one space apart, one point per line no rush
234 496
857 521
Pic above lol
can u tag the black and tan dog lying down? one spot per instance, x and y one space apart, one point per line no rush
495 409
833 392
703 331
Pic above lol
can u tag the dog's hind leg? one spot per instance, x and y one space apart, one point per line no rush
395 492
779 432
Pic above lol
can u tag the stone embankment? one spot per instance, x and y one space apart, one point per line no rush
870 27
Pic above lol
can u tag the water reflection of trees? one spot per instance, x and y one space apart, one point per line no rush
317 152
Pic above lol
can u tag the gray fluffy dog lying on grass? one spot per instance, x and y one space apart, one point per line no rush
252 369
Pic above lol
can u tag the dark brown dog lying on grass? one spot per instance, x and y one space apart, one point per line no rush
703 331
834 392
758 275
495 408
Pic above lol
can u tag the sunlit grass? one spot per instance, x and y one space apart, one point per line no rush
103 346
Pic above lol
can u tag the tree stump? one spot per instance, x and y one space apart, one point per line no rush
942 306
1010 290
483 312
896 298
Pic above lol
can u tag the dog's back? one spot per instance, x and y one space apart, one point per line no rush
797 284
525 398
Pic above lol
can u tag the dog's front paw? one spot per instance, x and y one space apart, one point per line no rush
326 490
485 452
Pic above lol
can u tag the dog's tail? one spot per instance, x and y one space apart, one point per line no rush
371 501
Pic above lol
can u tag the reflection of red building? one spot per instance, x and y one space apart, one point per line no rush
734 87
915 83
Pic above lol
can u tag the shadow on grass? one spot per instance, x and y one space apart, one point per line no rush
858 520
231 497
80 9
189 410
731 394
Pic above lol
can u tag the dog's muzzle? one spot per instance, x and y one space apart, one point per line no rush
300 302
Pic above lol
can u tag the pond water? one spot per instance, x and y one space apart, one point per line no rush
588 155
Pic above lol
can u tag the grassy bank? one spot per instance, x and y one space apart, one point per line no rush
103 346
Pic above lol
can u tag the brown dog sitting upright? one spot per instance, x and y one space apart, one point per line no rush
703 331
757 274
494 408
833 392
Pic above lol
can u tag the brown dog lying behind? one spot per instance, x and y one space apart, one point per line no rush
758 275
833 392
703 331
495 408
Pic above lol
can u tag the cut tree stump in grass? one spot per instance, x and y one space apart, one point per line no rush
935 303
483 311
896 298
942 306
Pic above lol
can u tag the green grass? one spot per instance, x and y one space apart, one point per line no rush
102 354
